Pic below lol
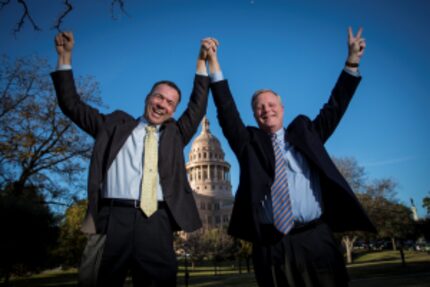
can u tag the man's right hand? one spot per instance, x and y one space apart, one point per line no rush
208 46
212 56
64 43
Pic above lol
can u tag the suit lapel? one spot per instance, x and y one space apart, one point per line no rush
163 148
301 143
266 152
119 135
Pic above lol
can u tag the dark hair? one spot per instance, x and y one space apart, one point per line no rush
168 83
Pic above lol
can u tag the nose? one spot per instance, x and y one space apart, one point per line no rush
161 103
264 108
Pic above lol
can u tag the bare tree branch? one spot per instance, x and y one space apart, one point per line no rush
4 3
26 14
52 202
63 15
121 5
18 101
68 8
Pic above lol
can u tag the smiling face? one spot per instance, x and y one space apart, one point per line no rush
161 104
268 111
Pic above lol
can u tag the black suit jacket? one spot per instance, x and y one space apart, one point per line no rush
253 148
110 132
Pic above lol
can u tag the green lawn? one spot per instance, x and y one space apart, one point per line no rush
371 269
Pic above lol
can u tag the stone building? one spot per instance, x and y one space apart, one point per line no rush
209 177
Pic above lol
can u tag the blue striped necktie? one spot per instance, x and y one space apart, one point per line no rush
281 203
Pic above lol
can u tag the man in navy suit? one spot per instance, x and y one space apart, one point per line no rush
291 196
131 239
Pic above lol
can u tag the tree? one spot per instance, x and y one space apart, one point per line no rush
426 203
392 219
193 245
220 246
355 176
39 146
29 232
206 244
352 172
244 251
72 241
27 8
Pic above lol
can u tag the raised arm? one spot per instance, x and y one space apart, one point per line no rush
356 47
189 121
228 116
64 43
86 117
332 112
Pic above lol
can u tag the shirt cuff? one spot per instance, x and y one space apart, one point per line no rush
352 73
202 73
64 67
216 77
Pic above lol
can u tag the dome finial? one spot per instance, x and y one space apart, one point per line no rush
205 125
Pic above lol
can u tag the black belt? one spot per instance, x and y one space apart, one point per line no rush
300 227
127 203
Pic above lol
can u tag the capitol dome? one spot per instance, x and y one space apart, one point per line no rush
209 178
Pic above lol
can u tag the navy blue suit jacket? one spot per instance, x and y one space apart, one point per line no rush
254 151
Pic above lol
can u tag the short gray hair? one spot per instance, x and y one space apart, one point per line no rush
259 92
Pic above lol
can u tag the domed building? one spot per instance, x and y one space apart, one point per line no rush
209 177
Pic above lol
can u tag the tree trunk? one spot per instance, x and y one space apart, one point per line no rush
239 265
248 265
393 241
348 243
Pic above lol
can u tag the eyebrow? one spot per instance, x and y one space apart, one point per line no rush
169 101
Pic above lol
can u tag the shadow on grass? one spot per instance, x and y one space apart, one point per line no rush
56 279
387 269
393 274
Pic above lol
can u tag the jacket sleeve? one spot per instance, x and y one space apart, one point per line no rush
229 118
189 121
331 113
86 117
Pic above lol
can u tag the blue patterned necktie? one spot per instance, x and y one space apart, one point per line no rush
281 203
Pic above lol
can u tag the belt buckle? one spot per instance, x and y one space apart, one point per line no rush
136 203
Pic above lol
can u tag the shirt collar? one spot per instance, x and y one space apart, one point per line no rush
144 122
280 134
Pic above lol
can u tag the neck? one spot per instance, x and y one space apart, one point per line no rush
271 130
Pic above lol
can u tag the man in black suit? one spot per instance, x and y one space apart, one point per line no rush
291 196
137 234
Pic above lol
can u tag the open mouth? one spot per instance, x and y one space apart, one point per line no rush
157 112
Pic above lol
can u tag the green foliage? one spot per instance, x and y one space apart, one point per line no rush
206 244
426 204
72 241
391 218
220 244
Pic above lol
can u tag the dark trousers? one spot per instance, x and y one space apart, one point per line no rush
307 257
138 244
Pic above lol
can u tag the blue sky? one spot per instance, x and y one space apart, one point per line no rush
295 47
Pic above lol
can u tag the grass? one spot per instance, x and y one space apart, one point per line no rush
382 268
392 256
385 268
